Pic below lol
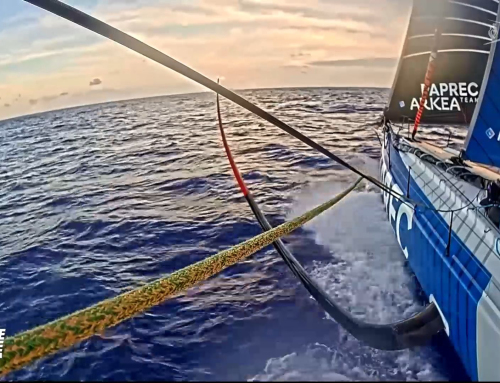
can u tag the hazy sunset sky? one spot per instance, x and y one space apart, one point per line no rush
48 63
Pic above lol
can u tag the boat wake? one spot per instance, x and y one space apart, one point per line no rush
367 276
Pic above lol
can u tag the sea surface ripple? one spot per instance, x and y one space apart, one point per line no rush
98 200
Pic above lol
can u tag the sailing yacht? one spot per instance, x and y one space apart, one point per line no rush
443 203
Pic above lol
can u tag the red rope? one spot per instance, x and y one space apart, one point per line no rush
236 172
428 80
425 95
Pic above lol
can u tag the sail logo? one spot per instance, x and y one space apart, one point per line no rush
448 96
493 33
490 133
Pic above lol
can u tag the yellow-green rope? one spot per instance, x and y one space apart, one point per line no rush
47 339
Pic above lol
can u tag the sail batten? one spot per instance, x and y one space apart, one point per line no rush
449 51
463 52
452 34
474 6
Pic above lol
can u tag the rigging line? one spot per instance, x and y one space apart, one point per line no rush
422 205
415 331
485 206
91 23
378 137
373 125
49 338
80 18
444 175
84 20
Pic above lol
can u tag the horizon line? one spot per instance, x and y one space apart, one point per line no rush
188 93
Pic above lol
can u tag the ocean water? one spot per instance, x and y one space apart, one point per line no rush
101 199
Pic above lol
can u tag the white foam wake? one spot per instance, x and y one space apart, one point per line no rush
366 276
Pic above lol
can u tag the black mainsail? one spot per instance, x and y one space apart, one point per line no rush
464 47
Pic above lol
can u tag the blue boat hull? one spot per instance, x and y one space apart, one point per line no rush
446 267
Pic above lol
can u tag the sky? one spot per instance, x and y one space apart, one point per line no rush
48 63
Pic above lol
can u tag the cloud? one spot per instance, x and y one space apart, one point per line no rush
95 81
300 54
46 99
252 43
269 8
53 97
371 62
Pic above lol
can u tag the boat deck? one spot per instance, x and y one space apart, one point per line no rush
488 172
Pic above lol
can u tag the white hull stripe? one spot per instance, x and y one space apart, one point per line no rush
445 322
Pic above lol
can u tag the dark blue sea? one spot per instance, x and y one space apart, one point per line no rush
101 199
